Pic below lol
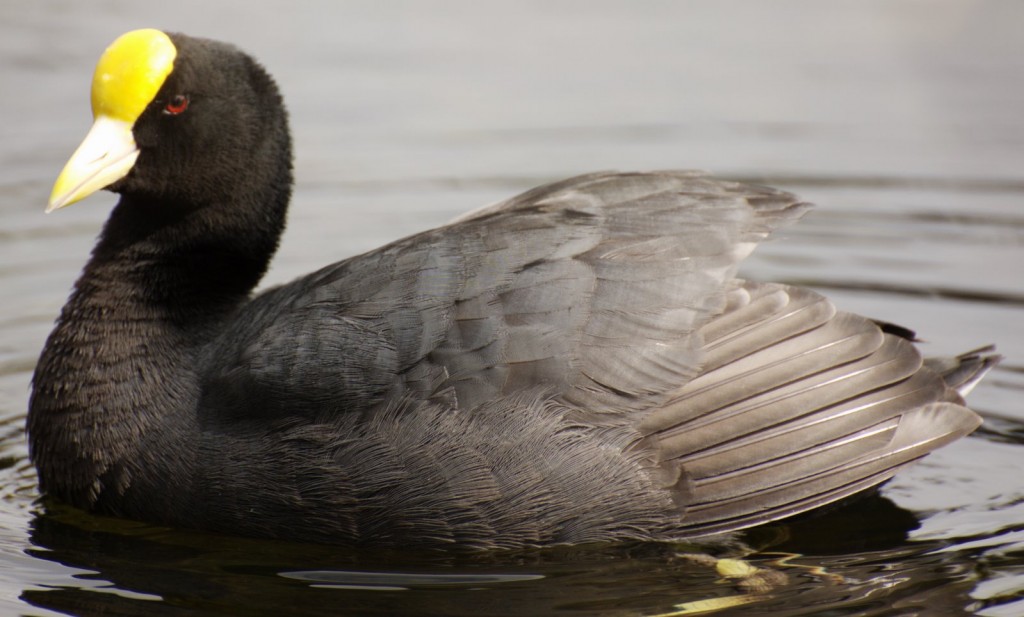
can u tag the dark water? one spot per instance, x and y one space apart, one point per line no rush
902 120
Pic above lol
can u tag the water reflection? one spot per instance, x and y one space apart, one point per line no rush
855 559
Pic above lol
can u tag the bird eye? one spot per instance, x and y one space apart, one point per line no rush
177 104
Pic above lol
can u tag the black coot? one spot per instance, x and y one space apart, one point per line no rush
578 363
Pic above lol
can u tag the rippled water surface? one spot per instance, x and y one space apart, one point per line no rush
902 120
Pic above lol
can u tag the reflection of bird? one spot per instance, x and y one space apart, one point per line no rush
577 363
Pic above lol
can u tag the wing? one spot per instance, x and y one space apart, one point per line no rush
798 406
594 287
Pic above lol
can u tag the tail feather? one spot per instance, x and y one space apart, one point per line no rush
963 372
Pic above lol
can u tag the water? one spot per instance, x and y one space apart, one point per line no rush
902 120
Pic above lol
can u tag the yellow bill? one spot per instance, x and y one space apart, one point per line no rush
127 78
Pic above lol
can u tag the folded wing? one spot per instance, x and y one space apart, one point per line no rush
799 405
594 287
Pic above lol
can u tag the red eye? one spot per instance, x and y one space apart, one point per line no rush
177 105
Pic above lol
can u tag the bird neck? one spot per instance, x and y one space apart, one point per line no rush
120 372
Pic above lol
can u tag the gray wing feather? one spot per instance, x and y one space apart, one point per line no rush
801 405
831 471
593 288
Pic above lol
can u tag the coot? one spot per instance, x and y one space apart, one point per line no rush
578 363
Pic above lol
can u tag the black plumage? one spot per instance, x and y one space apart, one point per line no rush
577 363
